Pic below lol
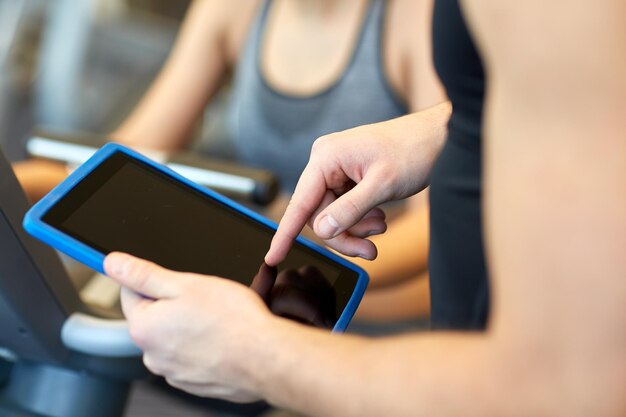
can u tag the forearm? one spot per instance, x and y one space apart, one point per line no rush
427 129
157 123
353 172
407 300
37 177
429 375
167 115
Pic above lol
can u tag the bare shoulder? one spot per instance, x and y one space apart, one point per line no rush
238 16
224 12
408 52
222 22
409 19
516 34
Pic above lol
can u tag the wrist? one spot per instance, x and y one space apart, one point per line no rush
259 356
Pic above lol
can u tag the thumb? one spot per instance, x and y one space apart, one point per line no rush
141 276
349 208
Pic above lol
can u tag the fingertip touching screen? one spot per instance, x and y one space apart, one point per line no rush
127 205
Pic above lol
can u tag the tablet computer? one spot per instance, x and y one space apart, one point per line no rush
122 201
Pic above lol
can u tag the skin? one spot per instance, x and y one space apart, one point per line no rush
301 59
396 293
305 49
39 176
395 164
554 206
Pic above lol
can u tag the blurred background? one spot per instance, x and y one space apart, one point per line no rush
82 65
78 65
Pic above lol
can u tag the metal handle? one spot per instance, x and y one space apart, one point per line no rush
98 337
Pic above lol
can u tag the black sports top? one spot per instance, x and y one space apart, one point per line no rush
459 287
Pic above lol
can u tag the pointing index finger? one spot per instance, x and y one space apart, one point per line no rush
306 198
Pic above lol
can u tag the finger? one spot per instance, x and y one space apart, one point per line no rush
351 242
306 198
353 246
154 365
132 303
351 207
143 277
375 218
327 199
213 390
376 212
368 227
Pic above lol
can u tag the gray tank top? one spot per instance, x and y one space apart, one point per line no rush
275 131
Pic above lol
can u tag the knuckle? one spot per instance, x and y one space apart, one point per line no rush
318 144
386 174
139 333
338 180
386 180
142 271
321 143
352 210
174 382
152 364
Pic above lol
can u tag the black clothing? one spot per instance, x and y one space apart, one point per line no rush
459 287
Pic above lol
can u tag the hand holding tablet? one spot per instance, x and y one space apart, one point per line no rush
121 201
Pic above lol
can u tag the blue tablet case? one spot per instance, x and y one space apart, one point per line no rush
35 226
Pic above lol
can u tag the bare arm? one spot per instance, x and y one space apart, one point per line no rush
403 248
556 231
395 164
406 300
555 190
37 176
168 113
166 116
425 89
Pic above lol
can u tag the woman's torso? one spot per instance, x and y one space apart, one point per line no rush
274 129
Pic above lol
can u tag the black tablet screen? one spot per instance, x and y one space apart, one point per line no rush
126 205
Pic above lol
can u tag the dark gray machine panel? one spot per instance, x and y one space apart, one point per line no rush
36 294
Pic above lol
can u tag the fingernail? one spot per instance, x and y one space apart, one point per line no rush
328 226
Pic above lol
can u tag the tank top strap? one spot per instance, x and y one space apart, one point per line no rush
369 53
275 130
